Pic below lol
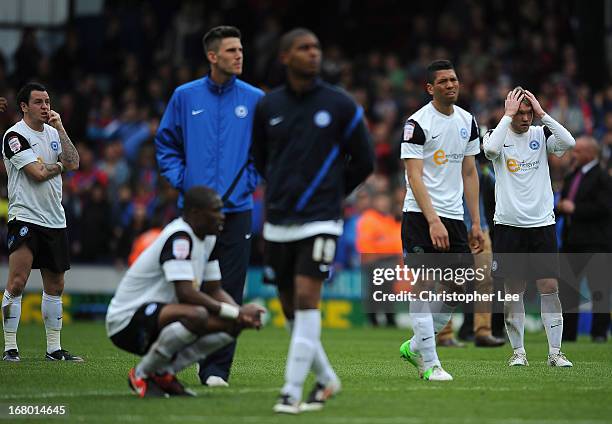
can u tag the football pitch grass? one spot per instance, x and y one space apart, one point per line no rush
378 387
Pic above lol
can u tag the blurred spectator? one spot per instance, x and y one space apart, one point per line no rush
114 74
88 174
115 166
95 226
27 57
379 241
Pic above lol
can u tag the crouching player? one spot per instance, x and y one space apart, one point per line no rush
159 312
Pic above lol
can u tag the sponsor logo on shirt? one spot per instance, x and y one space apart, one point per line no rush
241 111
515 166
440 157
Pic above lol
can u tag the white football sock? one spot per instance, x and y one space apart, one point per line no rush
11 314
172 338
51 308
424 337
441 313
514 313
305 336
198 350
552 318
320 363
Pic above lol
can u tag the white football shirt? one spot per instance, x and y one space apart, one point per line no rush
442 142
176 255
29 200
523 190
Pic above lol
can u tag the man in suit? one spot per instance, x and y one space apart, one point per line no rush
586 205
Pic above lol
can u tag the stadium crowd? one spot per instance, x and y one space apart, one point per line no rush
111 75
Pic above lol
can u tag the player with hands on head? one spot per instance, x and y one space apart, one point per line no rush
525 240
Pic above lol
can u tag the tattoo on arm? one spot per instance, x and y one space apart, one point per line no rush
51 169
42 171
69 155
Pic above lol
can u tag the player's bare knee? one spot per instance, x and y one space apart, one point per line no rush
200 317
196 319
548 286
54 290
307 301
514 286
16 284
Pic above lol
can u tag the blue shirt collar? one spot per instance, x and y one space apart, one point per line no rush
217 88
316 83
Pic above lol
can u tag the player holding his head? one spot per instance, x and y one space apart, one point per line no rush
311 146
36 150
439 145
170 308
524 217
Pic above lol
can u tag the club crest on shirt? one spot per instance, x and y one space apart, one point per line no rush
464 133
55 145
322 118
534 144
241 111
180 248
408 130
14 144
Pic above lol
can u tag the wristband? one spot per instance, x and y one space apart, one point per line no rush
228 311
61 165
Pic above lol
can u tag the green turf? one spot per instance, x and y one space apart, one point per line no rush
377 386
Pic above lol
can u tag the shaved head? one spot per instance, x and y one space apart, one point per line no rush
590 144
287 40
200 197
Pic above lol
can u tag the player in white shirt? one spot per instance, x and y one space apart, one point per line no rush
439 145
160 313
36 150
524 237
